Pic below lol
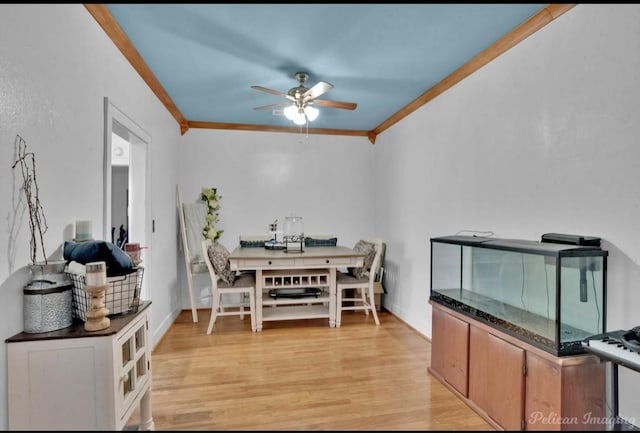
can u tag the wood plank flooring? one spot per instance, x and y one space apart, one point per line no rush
300 375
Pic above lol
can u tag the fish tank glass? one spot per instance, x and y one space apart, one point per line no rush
551 295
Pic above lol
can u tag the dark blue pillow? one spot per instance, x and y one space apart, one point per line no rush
328 242
117 261
252 243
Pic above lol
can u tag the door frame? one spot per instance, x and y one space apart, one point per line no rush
140 142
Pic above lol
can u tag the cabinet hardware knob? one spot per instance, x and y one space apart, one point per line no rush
124 377
269 261
328 261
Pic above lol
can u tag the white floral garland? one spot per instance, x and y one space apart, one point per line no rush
210 197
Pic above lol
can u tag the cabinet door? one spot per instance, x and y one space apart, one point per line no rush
480 383
569 397
496 378
132 365
449 349
542 406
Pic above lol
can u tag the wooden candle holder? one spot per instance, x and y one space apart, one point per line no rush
97 313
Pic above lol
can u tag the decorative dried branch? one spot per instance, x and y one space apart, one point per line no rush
37 221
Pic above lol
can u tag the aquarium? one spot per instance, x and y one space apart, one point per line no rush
549 294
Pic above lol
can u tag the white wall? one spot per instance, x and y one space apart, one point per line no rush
543 139
56 66
327 180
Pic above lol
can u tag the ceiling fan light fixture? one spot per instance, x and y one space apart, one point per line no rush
311 113
300 118
290 112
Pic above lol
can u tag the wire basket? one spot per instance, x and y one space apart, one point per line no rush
121 297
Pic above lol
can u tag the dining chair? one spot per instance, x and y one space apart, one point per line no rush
242 284
360 281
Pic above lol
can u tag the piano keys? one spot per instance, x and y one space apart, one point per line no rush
620 347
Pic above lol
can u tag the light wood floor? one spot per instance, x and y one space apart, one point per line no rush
300 375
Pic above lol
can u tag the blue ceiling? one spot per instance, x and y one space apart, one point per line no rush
382 57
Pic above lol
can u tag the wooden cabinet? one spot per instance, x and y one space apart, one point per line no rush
71 379
570 396
449 349
496 377
512 384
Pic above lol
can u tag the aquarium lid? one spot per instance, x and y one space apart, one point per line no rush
521 245
535 247
462 239
562 238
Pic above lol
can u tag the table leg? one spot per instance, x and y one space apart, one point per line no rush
332 297
259 282
614 386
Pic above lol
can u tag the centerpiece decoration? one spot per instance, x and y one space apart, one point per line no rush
211 198
293 234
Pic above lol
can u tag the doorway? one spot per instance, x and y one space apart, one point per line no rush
127 205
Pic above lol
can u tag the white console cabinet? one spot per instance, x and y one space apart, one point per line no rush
72 379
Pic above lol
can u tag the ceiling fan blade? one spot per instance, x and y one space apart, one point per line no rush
335 104
273 92
269 107
319 89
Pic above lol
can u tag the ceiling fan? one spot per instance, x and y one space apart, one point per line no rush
300 108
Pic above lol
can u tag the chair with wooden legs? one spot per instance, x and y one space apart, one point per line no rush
360 283
243 285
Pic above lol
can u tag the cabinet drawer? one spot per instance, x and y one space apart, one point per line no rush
329 261
266 263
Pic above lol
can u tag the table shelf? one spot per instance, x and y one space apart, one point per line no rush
323 298
284 278
295 312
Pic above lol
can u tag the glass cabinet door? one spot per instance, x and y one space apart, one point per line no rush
134 367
